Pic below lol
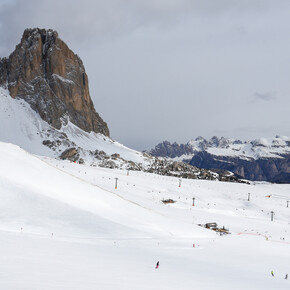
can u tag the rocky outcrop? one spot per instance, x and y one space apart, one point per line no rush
51 78
166 149
166 167
70 154
184 170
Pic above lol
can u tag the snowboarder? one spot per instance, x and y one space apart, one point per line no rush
157 265
286 277
272 273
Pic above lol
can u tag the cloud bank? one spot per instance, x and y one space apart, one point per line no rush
173 69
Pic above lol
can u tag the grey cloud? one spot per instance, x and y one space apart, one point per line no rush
264 97
97 20
173 69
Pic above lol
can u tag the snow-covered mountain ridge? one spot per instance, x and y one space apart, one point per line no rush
258 148
22 126
255 149
260 159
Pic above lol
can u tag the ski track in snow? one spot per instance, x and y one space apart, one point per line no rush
93 184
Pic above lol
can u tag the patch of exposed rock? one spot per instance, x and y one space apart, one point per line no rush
159 166
70 154
184 170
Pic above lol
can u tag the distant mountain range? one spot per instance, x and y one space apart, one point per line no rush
260 159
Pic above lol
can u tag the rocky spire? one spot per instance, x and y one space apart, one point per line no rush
51 78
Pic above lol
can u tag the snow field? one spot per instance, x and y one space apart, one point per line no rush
65 226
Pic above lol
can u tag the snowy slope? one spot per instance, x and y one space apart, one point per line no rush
65 226
92 141
22 126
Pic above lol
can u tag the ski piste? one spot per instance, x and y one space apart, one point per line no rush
67 224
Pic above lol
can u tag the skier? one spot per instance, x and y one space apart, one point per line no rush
272 273
286 277
157 265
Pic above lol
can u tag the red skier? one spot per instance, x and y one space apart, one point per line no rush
157 265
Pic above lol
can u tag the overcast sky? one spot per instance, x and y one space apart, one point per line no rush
173 69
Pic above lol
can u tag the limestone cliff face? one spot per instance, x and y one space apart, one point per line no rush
51 78
166 149
269 169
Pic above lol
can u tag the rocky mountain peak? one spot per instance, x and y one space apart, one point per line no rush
200 139
52 79
214 141
166 149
